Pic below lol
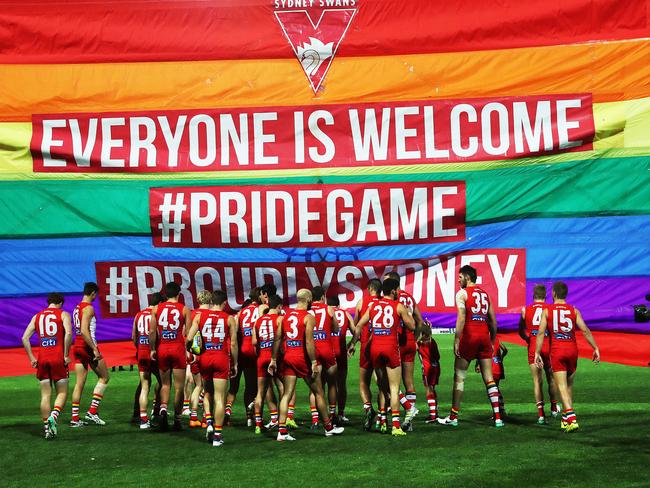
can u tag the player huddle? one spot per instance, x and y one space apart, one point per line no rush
272 346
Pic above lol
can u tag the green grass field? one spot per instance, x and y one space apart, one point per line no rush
611 449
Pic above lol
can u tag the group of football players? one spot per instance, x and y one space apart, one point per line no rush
205 352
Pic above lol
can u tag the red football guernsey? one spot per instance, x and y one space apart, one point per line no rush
142 324
533 317
339 338
293 333
365 303
76 319
170 323
385 322
265 331
477 305
51 334
323 326
247 317
215 332
561 326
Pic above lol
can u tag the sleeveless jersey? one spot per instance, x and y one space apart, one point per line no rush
339 338
323 327
384 322
477 304
76 319
533 317
142 323
51 334
405 298
247 317
365 303
265 331
561 326
215 331
293 333
170 323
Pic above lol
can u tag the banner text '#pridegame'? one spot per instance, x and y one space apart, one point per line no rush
397 133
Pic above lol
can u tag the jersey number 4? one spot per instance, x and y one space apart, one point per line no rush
212 330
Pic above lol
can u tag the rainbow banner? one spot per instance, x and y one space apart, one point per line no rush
324 142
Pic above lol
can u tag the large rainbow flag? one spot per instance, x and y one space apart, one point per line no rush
230 143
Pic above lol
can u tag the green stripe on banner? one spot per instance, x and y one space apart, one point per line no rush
608 186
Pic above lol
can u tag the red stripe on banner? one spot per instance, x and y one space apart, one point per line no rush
33 31
363 134
433 282
308 215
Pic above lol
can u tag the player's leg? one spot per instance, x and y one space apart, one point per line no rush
562 385
165 392
143 400
383 392
81 374
272 403
552 390
408 368
313 411
61 388
291 409
178 375
316 387
208 403
187 390
250 391
259 403
101 370
432 402
155 372
492 389
330 379
460 373
194 400
231 396
219 399
536 374
394 379
135 418
46 401
365 375
342 389
289 390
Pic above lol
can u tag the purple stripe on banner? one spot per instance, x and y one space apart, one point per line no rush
605 303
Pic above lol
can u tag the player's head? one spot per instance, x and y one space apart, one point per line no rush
155 298
204 297
275 302
254 294
317 293
304 296
246 303
267 290
389 288
91 289
539 293
374 287
466 276
393 275
172 290
425 331
334 301
219 298
560 290
54 299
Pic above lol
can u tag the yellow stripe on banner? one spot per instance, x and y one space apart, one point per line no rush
611 71
622 130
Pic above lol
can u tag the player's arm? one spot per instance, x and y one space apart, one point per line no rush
194 328
234 347
335 322
254 334
350 322
461 312
67 338
503 350
354 324
539 341
310 322
523 331
588 335
29 332
153 331
187 315
134 332
492 324
277 339
86 316
407 319
417 316
361 323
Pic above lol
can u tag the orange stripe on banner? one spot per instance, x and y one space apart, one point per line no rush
611 71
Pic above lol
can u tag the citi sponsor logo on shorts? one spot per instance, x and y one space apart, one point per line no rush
168 335
213 346
248 332
294 343
266 344
314 29
561 337
49 342
479 318
320 336
144 340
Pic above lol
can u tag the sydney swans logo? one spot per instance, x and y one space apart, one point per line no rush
315 37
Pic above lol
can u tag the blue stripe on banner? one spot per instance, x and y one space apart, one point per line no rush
557 248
